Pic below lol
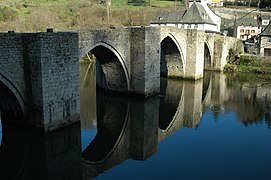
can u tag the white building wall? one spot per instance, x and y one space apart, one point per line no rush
265 43
154 25
246 32
210 27
216 19
172 25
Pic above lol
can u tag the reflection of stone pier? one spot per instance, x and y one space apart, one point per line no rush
214 89
187 111
192 103
144 122
53 156
125 130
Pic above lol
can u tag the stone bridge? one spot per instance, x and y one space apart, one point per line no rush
131 59
41 70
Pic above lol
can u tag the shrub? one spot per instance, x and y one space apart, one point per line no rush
8 13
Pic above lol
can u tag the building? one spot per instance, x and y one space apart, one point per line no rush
212 3
197 16
249 28
265 41
216 3
246 28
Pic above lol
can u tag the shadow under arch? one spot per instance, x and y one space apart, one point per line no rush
171 58
7 83
207 57
10 107
111 71
11 159
112 120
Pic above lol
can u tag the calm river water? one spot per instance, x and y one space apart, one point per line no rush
215 128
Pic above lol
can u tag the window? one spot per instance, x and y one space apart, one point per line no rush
253 31
189 26
265 22
269 39
247 31
242 36
242 31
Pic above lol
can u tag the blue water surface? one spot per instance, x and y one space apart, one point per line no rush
221 148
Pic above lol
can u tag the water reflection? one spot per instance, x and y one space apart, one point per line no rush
111 124
115 129
25 155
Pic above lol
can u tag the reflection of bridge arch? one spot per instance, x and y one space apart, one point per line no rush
113 67
171 106
110 133
176 117
188 111
206 89
172 62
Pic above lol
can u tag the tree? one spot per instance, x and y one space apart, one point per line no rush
264 4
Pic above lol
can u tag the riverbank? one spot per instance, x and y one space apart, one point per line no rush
250 64
62 15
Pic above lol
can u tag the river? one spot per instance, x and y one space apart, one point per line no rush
215 128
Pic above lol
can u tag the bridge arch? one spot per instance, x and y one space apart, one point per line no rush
172 62
8 83
11 109
208 63
113 71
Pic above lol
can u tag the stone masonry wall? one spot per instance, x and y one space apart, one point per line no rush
60 79
222 46
11 65
195 54
145 61
42 70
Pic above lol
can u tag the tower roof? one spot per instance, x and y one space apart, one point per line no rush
167 17
196 14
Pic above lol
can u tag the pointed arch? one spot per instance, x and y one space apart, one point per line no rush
172 62
8 83
208 65
112 65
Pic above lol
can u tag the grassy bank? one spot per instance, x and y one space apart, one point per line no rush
250 64
30 15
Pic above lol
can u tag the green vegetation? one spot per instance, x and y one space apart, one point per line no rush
250 64
37 15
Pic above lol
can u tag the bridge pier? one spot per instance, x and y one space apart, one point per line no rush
52 79
43 69
144 59
194 54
